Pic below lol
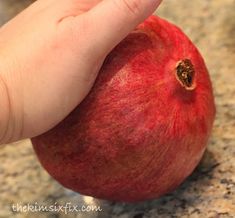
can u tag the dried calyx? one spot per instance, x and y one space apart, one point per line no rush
185 74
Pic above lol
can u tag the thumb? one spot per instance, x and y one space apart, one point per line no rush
111 20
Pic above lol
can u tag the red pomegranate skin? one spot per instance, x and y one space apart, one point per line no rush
139 133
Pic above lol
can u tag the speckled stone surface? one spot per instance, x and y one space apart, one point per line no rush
208 193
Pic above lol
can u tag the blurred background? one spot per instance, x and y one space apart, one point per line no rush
208 192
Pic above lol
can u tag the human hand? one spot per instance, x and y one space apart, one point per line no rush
50 55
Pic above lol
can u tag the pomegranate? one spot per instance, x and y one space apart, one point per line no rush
144 126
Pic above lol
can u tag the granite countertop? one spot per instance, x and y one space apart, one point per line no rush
208 192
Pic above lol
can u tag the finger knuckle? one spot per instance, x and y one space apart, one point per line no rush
132 6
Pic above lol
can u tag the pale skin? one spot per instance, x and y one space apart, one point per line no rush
50 55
